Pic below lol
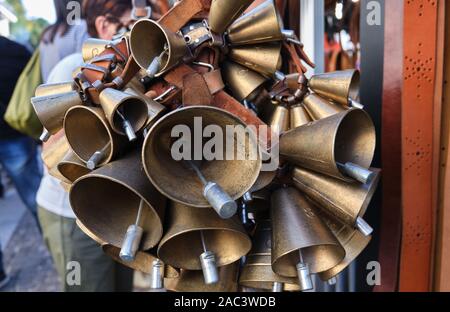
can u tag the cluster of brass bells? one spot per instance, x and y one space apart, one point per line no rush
220 224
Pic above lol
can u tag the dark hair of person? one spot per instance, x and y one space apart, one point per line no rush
61 26
111 9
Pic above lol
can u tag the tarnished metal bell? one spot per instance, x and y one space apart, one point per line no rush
235 177
71 167
121 108
93 47
52 156
155 48
182 244
224 12
339 86
257 272
346 201
262 24
300 237
299 116
280 121
319 108
90 136
108 217
51 109
55 88
192 281
244 83
263 58
353 241
155 110
320 145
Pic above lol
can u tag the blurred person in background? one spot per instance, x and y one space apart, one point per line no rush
17 151
65 240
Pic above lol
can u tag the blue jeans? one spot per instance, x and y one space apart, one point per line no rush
18 158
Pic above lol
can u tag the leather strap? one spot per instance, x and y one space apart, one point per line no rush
195 90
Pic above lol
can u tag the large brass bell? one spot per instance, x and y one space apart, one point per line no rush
90 136
353 241
53 154
136 202
339 86
301 243
155 48
192 281
262 24
299 116
198 239
263 58
51 108
224 12
244 83
194 172
347 201
126 113
71 167
319 108
326 144
257 272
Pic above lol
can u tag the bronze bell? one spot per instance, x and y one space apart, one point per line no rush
155 110
127 114
191 231
347 201
235 177
299 116
338 86
120 194
353 241
244 83
90 136
192 281
51 109
55 88
224 12
347 137
319 108
53 154
280 121
262 24
93 47
71 167
155 48
301 243
263 58
257 272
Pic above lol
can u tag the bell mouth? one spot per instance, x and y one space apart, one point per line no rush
164 171
184 249
135 111
109 217
87 132
355 139
145 50
72 171
353 90
330 255
261 276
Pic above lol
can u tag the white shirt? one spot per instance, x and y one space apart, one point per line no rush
51 195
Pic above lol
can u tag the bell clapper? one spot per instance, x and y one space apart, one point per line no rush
357 172
277 287
220 200
132 238
363 226
304 274
208 262
332 281
45 136
157 281
127 127
156 64
97 157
